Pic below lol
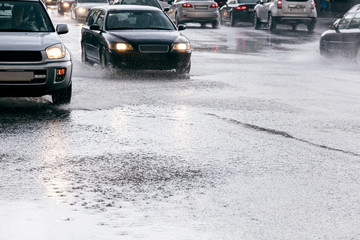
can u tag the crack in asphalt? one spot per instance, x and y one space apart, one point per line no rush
282 134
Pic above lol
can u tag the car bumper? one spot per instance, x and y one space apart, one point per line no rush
44 80
193 16
156 61
290 20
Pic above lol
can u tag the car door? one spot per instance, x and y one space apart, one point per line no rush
264 10
337 40
351 35
97 38
87 36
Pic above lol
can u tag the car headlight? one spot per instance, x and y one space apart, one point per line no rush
82 10
123 46
181 47
66 4
56 51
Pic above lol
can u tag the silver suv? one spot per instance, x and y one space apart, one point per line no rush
33 60
289 12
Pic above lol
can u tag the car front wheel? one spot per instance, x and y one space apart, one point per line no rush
183 71
62 96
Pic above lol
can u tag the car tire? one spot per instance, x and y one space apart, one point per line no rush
62 96
103 60
257 23
183 72
215 24
232 21
311 26
271 22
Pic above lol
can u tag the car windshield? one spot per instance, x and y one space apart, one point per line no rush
92 1
152 3
17 16
138 20
247 1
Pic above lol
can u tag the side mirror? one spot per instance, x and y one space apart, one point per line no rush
62 28
181 27
166 9
95 27
170 2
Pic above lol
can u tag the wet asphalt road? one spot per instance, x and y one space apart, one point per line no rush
262 142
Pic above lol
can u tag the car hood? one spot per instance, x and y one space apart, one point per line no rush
147 36
89 5
21 41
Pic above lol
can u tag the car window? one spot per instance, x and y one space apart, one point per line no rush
18 16
100 20
91 17
355 22
343 24
138 20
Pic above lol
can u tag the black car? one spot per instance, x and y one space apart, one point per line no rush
234 11
135 37
343 37
64 5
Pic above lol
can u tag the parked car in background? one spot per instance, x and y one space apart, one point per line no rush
343 37
153 3
134 37
234 11
64 6
33 60
196 11
289 12
80 9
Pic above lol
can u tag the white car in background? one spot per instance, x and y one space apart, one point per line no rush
196 11
289 12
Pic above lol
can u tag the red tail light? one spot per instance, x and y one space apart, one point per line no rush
241 8
312 5
187 5
214 5
279 4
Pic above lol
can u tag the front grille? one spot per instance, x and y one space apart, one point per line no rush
20 56
152 48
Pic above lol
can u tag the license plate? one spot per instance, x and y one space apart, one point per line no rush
16 76
250 9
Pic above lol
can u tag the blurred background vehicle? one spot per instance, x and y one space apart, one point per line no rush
289 12
81 8
64 6
234 11
196 11
343 37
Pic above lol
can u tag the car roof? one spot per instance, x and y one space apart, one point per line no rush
127 7
355 8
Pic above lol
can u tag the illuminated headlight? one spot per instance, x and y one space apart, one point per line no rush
66 4
181 47
82 10
56 51
48 1
123 46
